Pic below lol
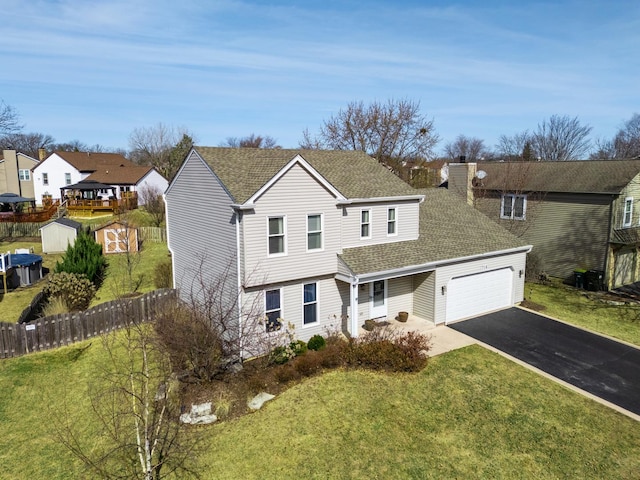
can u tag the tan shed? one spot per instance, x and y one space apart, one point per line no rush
59 234
117 237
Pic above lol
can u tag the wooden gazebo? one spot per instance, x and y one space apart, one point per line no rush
86 197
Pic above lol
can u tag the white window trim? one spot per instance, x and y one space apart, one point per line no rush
395 222
369 223
321 232
629 201
67 175
45 179
512 197
284 230
266 311
317 304
24 172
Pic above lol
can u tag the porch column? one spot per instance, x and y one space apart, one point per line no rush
353 321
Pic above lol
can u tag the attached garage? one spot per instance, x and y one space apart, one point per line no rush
473 295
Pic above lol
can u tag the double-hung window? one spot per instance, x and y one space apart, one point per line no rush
276 234
392 222
365 223
513 207
45 179
67 179
310 303
314 232
24 175
628 212
272 310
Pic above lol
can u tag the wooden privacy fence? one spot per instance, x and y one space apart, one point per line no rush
18 339
151 234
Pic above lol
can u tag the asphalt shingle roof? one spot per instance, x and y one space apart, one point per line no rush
449 229
354 174
92 161
117 175
585 176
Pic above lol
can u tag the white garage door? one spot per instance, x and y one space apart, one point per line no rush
473 295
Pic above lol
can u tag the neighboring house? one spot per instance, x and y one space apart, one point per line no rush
578 215
67 168
56 236
15 173
328 239
117 237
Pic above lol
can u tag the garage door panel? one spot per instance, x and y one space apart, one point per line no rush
472 295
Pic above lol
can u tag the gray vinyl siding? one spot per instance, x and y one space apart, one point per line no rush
295 195
567 231
399 296
407 224
56 237
423 295
515 262
333 301
201 231
631 190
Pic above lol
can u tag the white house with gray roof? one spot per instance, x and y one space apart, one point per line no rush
329 239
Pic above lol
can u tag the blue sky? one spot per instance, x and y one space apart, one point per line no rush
95 70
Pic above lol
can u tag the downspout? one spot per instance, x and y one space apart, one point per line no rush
239 280
353 295
606 257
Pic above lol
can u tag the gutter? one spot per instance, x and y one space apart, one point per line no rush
351 201
414 269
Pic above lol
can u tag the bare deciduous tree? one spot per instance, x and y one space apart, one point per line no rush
511 148
160 146
627 140
251 141
391 132
135 413
8 119
27 143
561 138
471 148
151 198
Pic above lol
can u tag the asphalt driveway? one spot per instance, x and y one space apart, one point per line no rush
598 365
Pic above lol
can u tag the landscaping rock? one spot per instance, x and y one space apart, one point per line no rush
256 402
199 415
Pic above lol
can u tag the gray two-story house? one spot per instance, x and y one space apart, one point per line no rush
329 239
578 215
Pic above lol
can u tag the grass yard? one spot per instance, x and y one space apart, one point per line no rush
116 282
588 310
470 414
117 278
14 302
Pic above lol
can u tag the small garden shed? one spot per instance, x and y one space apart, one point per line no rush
59 234
117 237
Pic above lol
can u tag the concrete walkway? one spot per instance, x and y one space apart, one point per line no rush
443 338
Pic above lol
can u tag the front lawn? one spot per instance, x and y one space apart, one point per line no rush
469 414
590 310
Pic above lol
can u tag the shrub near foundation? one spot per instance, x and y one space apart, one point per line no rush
383 349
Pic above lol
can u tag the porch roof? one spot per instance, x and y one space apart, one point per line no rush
449 229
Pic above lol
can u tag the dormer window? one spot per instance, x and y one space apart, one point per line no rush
628 212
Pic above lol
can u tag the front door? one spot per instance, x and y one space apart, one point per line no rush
378 299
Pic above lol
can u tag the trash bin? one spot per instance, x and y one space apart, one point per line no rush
594 280
578 276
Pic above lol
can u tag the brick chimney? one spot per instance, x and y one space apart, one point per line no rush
461 177
42 154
